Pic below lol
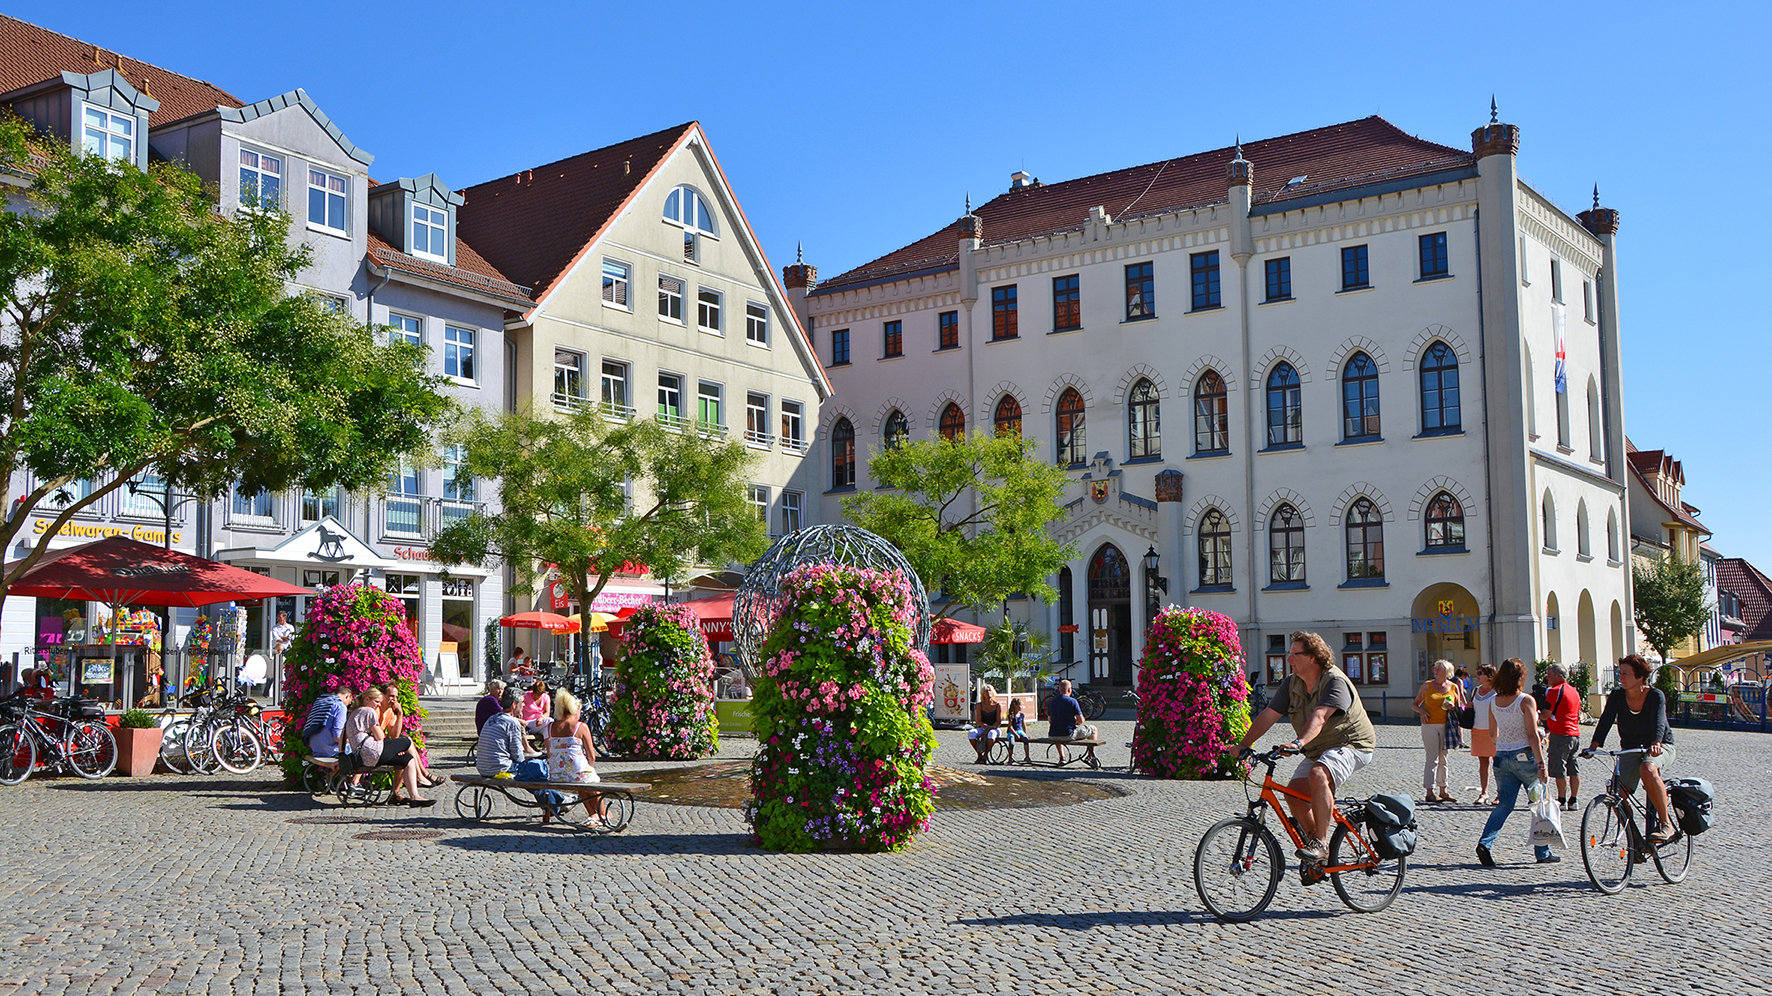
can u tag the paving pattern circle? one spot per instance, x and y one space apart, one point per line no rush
398 835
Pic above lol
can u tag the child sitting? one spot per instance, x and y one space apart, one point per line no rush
1018 731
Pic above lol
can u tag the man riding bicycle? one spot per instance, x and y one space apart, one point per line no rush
1334 735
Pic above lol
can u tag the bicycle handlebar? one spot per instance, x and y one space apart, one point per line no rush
1591 751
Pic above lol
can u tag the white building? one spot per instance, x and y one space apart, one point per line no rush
1390 370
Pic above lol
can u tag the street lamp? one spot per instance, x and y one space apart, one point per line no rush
1153 580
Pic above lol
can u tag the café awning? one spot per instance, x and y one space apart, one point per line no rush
955 631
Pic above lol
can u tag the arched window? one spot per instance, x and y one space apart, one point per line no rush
1595 447
1583 548
1612 535
1285 544
842 454
896 430
1215 550
1547 510
1365 541
1007 419
690 210
1285 419
953 422
1072 449
1359 398
1445 523
1563 413
1144 421
1212 415
1439 389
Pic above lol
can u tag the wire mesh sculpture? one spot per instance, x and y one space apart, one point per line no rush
759 599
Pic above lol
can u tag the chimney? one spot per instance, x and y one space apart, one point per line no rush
1240 173
1021 178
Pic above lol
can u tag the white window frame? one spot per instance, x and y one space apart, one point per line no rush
454 461
759 498
756 420
669 300
436 225
793 510
328 192
257 170
108 134
568 395
396 327
624 278
622 376
793 426
267 518
682 196
670 419
756 324
452 353
718 396
708 313
319 500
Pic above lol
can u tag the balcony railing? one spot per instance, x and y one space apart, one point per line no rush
419 517
761 439
574 403
793 445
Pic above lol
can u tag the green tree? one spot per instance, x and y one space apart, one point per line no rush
971 515
1011 650
1670 602
147 332
587 495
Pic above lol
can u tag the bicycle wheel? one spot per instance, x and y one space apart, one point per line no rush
199 750
1237 869
1364 890
1673 858
236 748
92 750
1093 705
172 747
1606 850
18 755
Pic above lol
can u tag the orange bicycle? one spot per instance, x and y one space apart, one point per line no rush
1237 867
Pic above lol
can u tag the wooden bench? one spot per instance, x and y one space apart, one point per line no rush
321 777
475 795
1003 751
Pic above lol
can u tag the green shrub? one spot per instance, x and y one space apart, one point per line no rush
137 719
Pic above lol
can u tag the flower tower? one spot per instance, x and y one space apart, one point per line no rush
1193 698
839 712
354 636
664 687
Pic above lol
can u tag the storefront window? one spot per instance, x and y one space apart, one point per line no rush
60 621
406 588
458 626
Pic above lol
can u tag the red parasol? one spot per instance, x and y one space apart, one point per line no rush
550 621
120 571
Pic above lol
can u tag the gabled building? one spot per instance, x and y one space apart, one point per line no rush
1663 525
650 297
1347 380
1749 615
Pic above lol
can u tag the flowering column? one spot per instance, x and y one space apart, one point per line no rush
840 715
664 687
1193 699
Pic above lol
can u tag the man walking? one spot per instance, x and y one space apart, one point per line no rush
1562 720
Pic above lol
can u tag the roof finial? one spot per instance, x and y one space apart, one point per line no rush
799 254
1596 197
1239 145
968 202
1493 116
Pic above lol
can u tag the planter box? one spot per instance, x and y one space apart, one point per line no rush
137 750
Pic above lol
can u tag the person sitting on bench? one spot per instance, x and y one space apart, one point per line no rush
374 748
504 750
325 727
987 716
1067 716
1018 731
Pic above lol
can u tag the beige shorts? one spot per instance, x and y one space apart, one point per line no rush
1342 762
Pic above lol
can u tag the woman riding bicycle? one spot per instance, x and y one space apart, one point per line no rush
1640 711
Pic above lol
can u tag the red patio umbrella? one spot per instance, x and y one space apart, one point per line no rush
553 622
120 571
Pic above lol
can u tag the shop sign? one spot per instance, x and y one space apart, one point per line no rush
557 595
953 683
1444 624
456 588
93 530
411 553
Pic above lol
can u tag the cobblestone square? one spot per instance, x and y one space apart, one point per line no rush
205 886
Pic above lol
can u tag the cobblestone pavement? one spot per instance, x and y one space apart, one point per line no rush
202 886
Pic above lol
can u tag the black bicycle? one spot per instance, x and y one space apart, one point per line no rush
57 739
1611 843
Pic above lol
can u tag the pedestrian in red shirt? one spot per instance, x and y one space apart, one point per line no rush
1562 720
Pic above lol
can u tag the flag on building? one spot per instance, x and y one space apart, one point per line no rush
1557 319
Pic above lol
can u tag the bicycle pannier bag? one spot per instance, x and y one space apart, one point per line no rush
1393 824
1692 798
80 708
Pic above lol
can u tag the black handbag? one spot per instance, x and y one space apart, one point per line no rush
1467 717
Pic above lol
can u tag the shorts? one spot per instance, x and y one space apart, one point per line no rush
982 733
1342 763
1560 758
396 752
1630 767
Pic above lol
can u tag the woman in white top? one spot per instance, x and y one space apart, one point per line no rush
571 755
1519 755
1482 743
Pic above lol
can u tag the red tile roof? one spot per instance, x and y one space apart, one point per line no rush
470 269
1755 590
29 54
532 225
1646 464
1369 150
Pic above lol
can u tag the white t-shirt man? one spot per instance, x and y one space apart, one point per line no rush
282 634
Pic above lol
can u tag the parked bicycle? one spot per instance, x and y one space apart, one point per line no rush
30 736
1612 844
593 696
1237 866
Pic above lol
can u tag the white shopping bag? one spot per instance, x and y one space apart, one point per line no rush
1547 825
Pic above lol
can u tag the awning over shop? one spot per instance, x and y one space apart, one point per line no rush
716 616
955 631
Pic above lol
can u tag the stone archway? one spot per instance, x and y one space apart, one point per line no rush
1445 624
1110 617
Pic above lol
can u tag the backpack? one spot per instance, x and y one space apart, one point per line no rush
1392 818
1692 798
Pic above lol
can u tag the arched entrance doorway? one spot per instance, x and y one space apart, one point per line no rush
1110 617
1445 624
1587 640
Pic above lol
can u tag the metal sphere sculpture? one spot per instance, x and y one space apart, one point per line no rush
758 600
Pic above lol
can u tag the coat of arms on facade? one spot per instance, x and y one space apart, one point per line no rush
1098 490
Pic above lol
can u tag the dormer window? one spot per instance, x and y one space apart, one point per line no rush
261 180
429 228
326 201
687 209
109 136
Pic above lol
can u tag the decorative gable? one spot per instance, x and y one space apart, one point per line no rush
417 216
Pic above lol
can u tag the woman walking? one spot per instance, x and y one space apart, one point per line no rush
1519 755
1432 703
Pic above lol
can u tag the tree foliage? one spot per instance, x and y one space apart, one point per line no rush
142 330
591 495
971 515
1670 602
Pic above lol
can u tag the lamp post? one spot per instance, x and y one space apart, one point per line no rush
1152 582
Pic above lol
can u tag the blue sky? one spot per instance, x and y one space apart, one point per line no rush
859 129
